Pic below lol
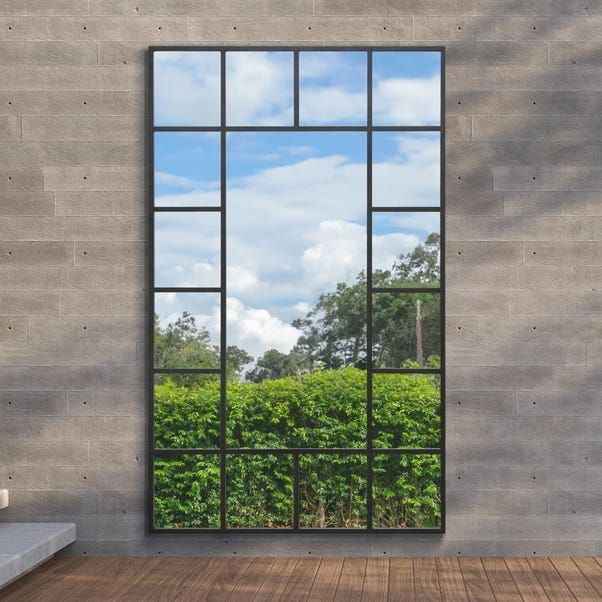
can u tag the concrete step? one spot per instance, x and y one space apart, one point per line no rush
3 498
23 546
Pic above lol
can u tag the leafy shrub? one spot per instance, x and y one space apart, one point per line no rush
323 409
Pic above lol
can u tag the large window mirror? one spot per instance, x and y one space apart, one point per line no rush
296 306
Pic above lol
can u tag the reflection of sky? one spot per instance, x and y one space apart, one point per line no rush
187 88
406 169
259 88
332 88
187 169
187 249
296 215
296 201
406 88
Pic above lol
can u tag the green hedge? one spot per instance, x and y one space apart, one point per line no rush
324 409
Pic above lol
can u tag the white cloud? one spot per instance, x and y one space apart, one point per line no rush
257 330
260 88
407 101
338 254
411 176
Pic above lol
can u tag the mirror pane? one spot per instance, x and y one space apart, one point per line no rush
187 249
406 88
406 410
259 88
333 491
187 169
333 88
406 169
406 249
186 410
406 329
187 330
187 88
259 489
186 492
406 491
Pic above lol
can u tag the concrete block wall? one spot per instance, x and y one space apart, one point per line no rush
524 231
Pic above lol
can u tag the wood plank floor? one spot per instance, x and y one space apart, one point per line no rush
311 579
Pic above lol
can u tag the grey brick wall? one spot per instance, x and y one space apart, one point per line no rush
524 262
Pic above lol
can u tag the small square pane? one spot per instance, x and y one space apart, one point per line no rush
186 410
406 410
406 249
259 88
406 491
187 88
406 169
187 330
332 491
187 249
187 169
259 491
186 492
406 88
333 88
406 330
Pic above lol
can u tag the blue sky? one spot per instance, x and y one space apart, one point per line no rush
296 201
187 168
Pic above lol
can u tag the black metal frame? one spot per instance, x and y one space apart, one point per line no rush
222 450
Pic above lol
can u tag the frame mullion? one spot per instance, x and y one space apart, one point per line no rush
223 296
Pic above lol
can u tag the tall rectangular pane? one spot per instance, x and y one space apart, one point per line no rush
187 249
406 330
406 249
259 489
187 169
296 240
406 169
259 88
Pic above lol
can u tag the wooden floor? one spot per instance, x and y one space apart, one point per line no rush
310 578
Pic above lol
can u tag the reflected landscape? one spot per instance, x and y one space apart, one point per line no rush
296 359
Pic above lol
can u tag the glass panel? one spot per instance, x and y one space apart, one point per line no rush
187 88
406 330
186 492
406 88
406 249
187 169
187 249
406 410
187 329
332 88
297 297
259 88
406 169
332 491
260 491
406 491
186 411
